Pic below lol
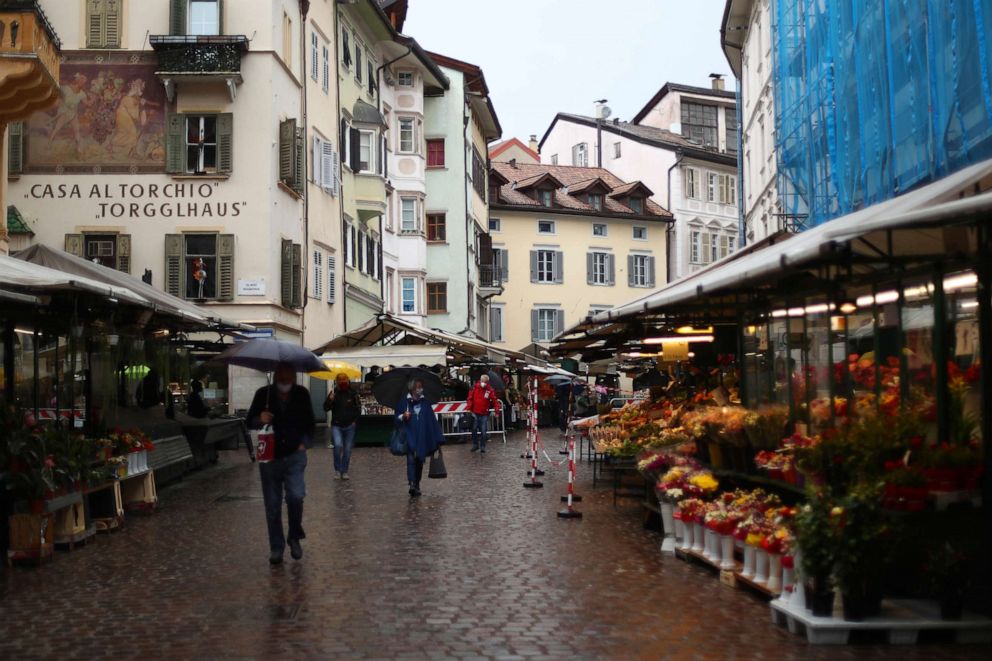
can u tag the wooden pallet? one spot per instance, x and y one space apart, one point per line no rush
901 620
70 542
138 492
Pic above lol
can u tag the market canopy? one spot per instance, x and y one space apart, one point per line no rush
157 299
383 356
34 279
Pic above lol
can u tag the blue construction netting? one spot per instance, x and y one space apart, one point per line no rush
876 97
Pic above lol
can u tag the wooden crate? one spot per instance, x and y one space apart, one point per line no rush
110 515
139 492
69 523
31 536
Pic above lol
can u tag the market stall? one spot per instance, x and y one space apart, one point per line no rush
851 380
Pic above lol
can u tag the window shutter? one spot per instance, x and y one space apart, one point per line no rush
486 249
174 264
95 33
381 166
297 275
707 249
175 144
649 266
559 264
533 266
225 267
559 322
332 278
220 17
336 171
533 326
286 273
590 268
15 150
353 143
225 143
343 138
287 151
299 167
112 24
327 167
611 270
630 270
504 258
74 244
177 17
317 171
124 253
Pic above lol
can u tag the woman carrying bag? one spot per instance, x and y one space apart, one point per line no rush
416 421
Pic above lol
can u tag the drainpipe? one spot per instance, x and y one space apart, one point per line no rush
344 269
304 9
671 225
466 137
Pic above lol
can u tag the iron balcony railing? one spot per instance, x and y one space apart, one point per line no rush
490 276
199 54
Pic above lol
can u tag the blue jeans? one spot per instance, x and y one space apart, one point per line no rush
480 431
414 468
344 442
278 475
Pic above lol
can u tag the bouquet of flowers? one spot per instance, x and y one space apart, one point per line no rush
133 440
692 510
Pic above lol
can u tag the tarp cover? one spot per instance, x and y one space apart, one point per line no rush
396 354
16 273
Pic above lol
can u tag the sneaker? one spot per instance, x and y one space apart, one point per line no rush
413 491
275 558
416 490
345 476
295 550
482 450
475 448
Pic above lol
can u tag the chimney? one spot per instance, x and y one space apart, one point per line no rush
513 162
717 79
532 143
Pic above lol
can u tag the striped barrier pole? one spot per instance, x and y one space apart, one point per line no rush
533 482
570 512
531 423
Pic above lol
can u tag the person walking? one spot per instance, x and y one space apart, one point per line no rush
345 408
286 406
423 432
481 402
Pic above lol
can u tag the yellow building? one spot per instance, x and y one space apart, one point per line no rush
569 241
29 76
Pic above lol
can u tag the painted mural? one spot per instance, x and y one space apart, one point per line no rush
111 118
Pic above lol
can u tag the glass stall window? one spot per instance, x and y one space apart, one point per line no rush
963 369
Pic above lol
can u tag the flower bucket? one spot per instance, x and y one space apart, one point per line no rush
698 537
749 559
774 572
727 552
687 534
819 599
711 550
760 566
668 526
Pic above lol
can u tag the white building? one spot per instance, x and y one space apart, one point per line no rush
747 43
683 146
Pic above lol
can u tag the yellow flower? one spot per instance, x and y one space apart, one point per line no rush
836 511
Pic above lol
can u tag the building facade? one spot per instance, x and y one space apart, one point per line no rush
515 150
683 145
857 120
749 52
461 274
571 242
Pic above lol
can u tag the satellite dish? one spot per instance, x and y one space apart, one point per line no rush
606 112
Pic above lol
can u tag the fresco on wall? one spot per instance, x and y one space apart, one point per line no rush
111 118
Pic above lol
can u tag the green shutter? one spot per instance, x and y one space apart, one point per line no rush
174 264
124 253
220 13
297 275
225 267
177 17
300 160
15 150
175 144
74 244
225 143
287 151
286 273
112 24
95 23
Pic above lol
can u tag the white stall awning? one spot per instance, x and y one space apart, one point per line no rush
395 354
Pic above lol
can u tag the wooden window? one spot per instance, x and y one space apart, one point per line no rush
345 48
326 62
291 266
204 17
314 52
545 227
291 155
318 274
691 183
699 123
366 151
596 201
640 270
599 229
640 233
200 144
495 225
408 140
547 266
200 266
287 40
437 297
110 250
599 268
358 59
408 215
436 227
332 278
325 166
546 323
545 197
435 153
103 23
15 148
404 79
636 204
408 294
496 323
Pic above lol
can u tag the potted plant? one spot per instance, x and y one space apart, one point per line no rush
859 535
814 537
946 571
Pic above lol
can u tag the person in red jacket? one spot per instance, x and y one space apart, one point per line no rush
481 402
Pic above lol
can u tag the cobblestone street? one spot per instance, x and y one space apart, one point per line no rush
478 567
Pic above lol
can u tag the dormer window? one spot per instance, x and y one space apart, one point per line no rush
636 204
596 201
545 197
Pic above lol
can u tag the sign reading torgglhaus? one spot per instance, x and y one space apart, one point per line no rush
117 201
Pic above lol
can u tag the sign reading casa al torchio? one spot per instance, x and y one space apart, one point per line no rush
136 201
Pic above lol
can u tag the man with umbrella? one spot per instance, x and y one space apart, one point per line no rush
286 406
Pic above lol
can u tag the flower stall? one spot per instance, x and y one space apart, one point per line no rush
861 406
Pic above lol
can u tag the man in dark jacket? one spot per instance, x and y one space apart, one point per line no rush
481 402
345 407
286 406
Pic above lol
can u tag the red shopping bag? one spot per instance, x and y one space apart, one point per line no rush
265 445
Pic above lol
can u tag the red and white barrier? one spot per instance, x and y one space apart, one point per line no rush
569 498
533 482
449 413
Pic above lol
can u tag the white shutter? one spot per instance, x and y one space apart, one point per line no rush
336 171
317 149
318 274
332 278
327 167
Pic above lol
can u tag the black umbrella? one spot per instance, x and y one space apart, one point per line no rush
390 388
496 381
265 355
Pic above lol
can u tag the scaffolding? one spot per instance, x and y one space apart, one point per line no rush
876 97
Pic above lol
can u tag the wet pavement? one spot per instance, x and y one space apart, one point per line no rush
479 567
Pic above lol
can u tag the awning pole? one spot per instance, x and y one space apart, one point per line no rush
983 269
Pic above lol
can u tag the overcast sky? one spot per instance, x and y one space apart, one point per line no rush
541 57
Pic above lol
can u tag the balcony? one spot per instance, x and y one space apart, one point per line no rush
189 58
490 280
29 60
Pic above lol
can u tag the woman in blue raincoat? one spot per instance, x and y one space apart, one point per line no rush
423 432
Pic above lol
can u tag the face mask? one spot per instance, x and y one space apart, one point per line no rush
419 392
284 387
344 385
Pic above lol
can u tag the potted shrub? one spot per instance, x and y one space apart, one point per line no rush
814 537
859 534
947 572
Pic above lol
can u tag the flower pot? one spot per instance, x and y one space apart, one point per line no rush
727 552
688 531
698 537
668 526
774 572
749 559
788 581
713 546
856 607
819 599
679 534
760 566
951 606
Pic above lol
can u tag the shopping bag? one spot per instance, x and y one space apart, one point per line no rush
397 442
437 471
265 444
